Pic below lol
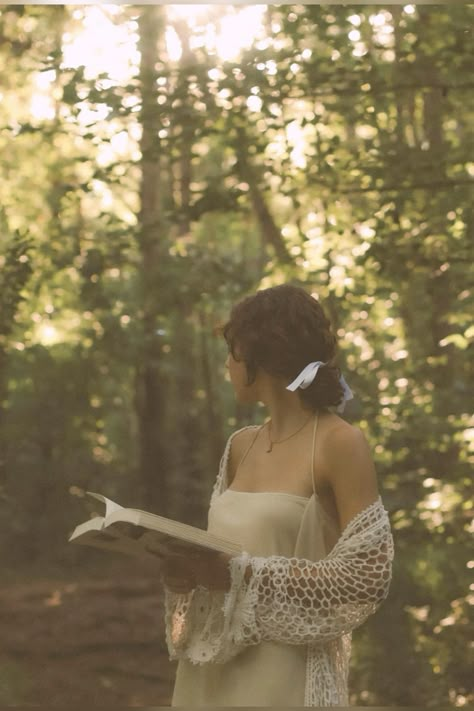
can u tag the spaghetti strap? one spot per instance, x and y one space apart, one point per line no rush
312 453
247 450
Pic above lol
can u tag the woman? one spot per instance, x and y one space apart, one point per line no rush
272 627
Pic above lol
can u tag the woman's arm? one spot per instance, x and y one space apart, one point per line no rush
350 472
298 601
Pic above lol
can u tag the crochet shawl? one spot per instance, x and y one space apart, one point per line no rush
297 600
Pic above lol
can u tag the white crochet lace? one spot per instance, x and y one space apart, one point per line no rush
290 600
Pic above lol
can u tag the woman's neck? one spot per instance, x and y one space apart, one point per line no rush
286 418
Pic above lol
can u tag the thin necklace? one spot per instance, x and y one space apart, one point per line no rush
279 441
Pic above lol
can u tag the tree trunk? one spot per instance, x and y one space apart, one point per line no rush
152 240
190 452
214 435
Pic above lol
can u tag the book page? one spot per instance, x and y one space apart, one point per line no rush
114 541
110 506
93 524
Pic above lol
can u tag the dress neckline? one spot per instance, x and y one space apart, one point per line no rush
269 493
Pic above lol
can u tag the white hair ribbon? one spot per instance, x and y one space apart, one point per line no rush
308 374
306 377
346 396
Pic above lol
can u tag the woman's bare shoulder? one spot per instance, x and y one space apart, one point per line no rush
335 427
338 431
337 436
349 470
346 454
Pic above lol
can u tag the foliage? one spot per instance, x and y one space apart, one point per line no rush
143 193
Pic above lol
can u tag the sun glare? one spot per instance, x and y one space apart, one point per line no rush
101 44
47 334
225 36
190 13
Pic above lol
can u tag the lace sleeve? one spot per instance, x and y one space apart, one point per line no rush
298 601
289 600
195 625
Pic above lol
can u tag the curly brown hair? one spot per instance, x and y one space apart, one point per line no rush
281 330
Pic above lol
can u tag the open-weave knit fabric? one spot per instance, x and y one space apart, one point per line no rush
290 600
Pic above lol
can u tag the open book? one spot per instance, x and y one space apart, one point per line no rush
143 534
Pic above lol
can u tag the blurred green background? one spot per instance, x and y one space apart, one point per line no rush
158 163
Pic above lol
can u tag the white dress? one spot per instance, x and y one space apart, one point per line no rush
270 673
288 646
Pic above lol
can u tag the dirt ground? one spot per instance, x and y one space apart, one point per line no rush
90 640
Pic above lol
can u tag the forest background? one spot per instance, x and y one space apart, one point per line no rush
157 163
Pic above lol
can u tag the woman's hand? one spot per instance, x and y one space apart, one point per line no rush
211 570
176 574
182 573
